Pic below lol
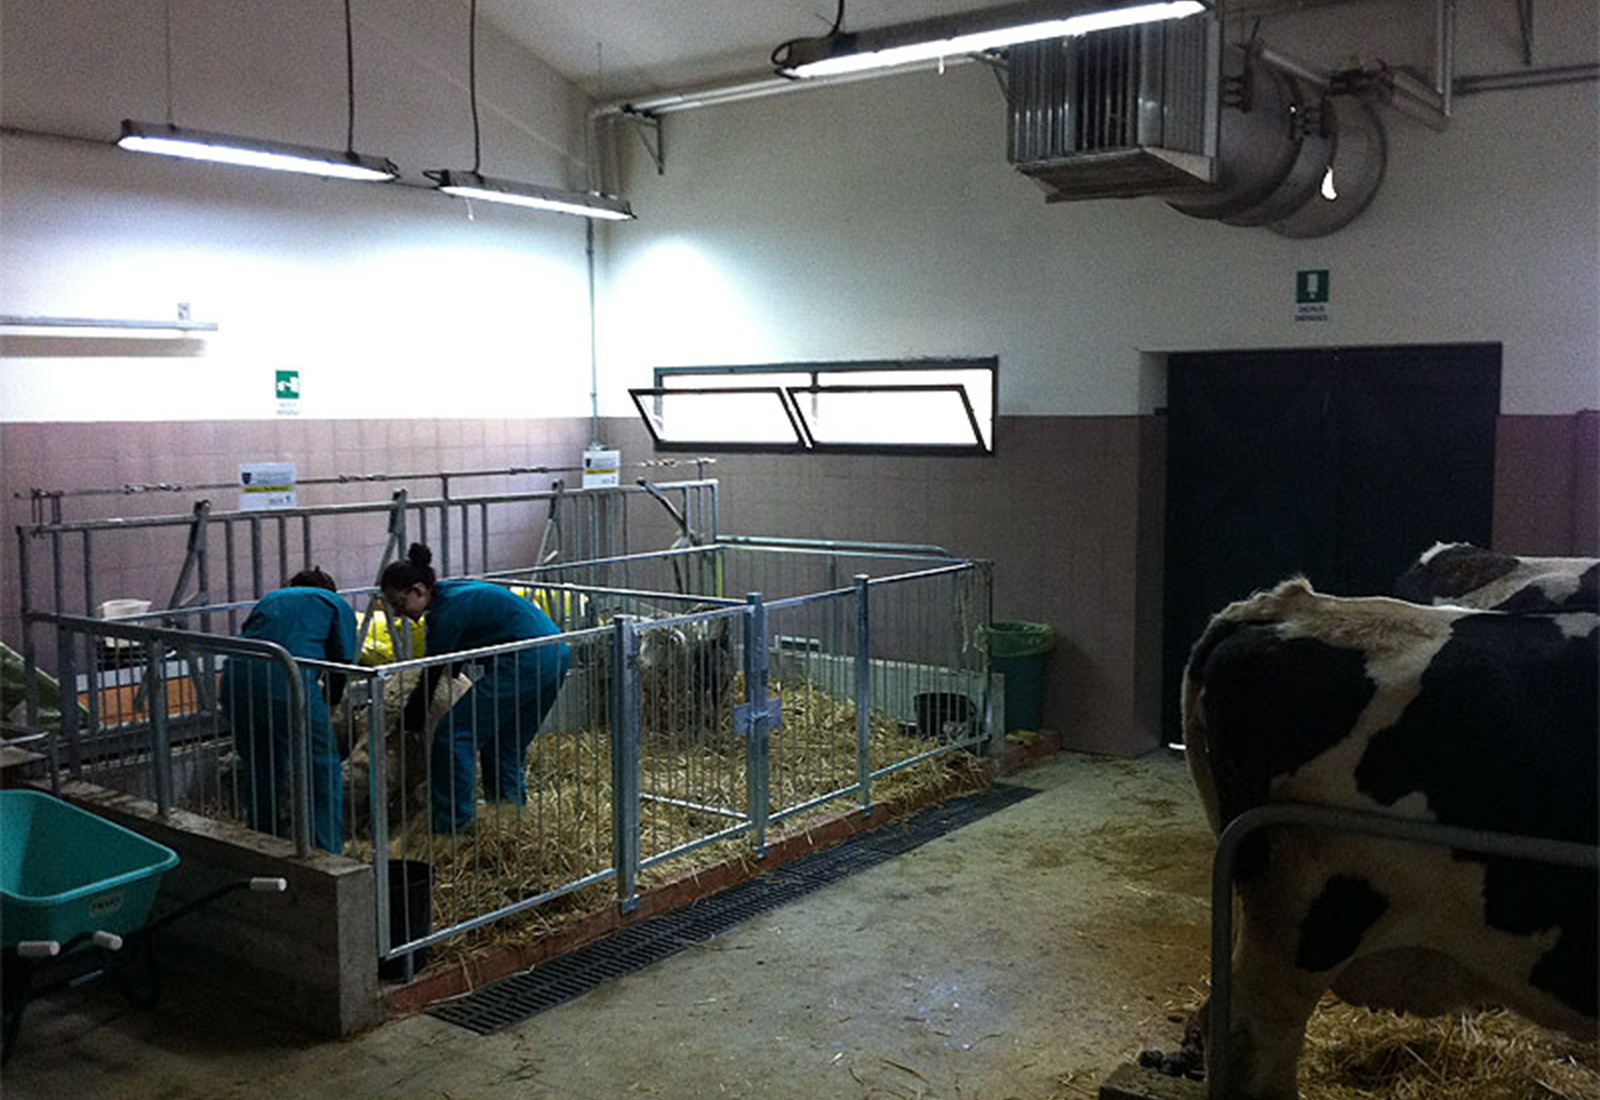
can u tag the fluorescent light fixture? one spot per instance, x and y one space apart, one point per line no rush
471 185
968 33
173 141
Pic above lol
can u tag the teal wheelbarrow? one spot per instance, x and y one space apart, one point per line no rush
70 883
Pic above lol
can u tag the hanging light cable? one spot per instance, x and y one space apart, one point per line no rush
168 139
473 184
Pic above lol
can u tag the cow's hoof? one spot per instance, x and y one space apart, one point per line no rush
1184 1063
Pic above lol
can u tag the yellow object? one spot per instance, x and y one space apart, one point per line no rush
378 649
566 609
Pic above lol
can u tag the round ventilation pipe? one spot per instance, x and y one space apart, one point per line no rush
1357 169
1317 122
1257 145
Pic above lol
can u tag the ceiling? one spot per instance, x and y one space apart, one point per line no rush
618 48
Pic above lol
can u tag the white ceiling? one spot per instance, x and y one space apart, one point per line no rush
619 48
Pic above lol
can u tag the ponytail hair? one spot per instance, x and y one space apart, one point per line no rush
415 568
313 578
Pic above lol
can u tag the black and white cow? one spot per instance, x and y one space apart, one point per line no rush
1465 575
1482 720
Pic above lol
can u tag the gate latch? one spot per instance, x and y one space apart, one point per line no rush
745 715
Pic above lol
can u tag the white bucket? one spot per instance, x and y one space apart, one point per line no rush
121 609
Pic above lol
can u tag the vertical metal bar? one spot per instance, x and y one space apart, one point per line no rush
444 541
231 572
25 609
625 763
863 692
378 800
306 561
758 762
155 697
299 755
67 699
255 558
88 573
283 550
206 679
483 535
57 552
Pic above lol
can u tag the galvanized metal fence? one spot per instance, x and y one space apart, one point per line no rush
685 716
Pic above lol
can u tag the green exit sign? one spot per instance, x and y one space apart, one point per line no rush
1311 287
1311 295
288 385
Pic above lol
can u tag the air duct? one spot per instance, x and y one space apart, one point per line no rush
1166 110
1117 113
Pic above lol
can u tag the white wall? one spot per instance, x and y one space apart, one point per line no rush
881 219
390 300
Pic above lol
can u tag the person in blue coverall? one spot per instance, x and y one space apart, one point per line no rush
497 719
309 619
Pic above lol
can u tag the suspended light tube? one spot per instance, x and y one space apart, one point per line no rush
587 204
968 33
174 141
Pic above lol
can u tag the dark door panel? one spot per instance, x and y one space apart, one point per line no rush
1338 464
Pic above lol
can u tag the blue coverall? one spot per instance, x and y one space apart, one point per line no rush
497 720
308 622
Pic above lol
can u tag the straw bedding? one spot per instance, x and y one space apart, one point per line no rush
1354 1053
563 832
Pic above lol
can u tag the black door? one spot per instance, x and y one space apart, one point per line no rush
1339 464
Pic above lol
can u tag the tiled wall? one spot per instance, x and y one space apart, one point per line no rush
145 564
1068 509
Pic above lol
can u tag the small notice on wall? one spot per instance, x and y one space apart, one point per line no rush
601 468
1311 295
266 485
286 390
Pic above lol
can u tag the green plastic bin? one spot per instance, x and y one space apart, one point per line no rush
1018 652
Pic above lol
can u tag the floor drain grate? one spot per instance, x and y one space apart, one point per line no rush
516 998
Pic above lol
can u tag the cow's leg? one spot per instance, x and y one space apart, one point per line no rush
1272 1000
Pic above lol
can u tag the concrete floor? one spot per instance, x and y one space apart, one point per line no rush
1024 956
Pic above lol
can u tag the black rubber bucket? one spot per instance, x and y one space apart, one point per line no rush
410 916
939 711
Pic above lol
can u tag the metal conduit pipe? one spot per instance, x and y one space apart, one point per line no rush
1292 66
1530 78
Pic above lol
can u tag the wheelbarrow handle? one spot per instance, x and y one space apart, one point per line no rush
38 949
110 941
258 884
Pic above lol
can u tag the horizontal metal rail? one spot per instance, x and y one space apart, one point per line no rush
1339 819
299 734
501 913
834 546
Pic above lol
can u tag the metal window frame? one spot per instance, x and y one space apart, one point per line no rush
976 446
818 372
802 441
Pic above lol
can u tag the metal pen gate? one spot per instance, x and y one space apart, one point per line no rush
648 753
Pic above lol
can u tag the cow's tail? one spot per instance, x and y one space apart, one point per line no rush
1261 609
1269 606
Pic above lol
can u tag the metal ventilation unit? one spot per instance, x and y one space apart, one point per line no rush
1118 113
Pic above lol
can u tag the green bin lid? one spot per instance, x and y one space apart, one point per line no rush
1020 639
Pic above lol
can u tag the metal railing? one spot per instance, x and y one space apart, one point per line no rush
683 719
1219 1062
235 557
